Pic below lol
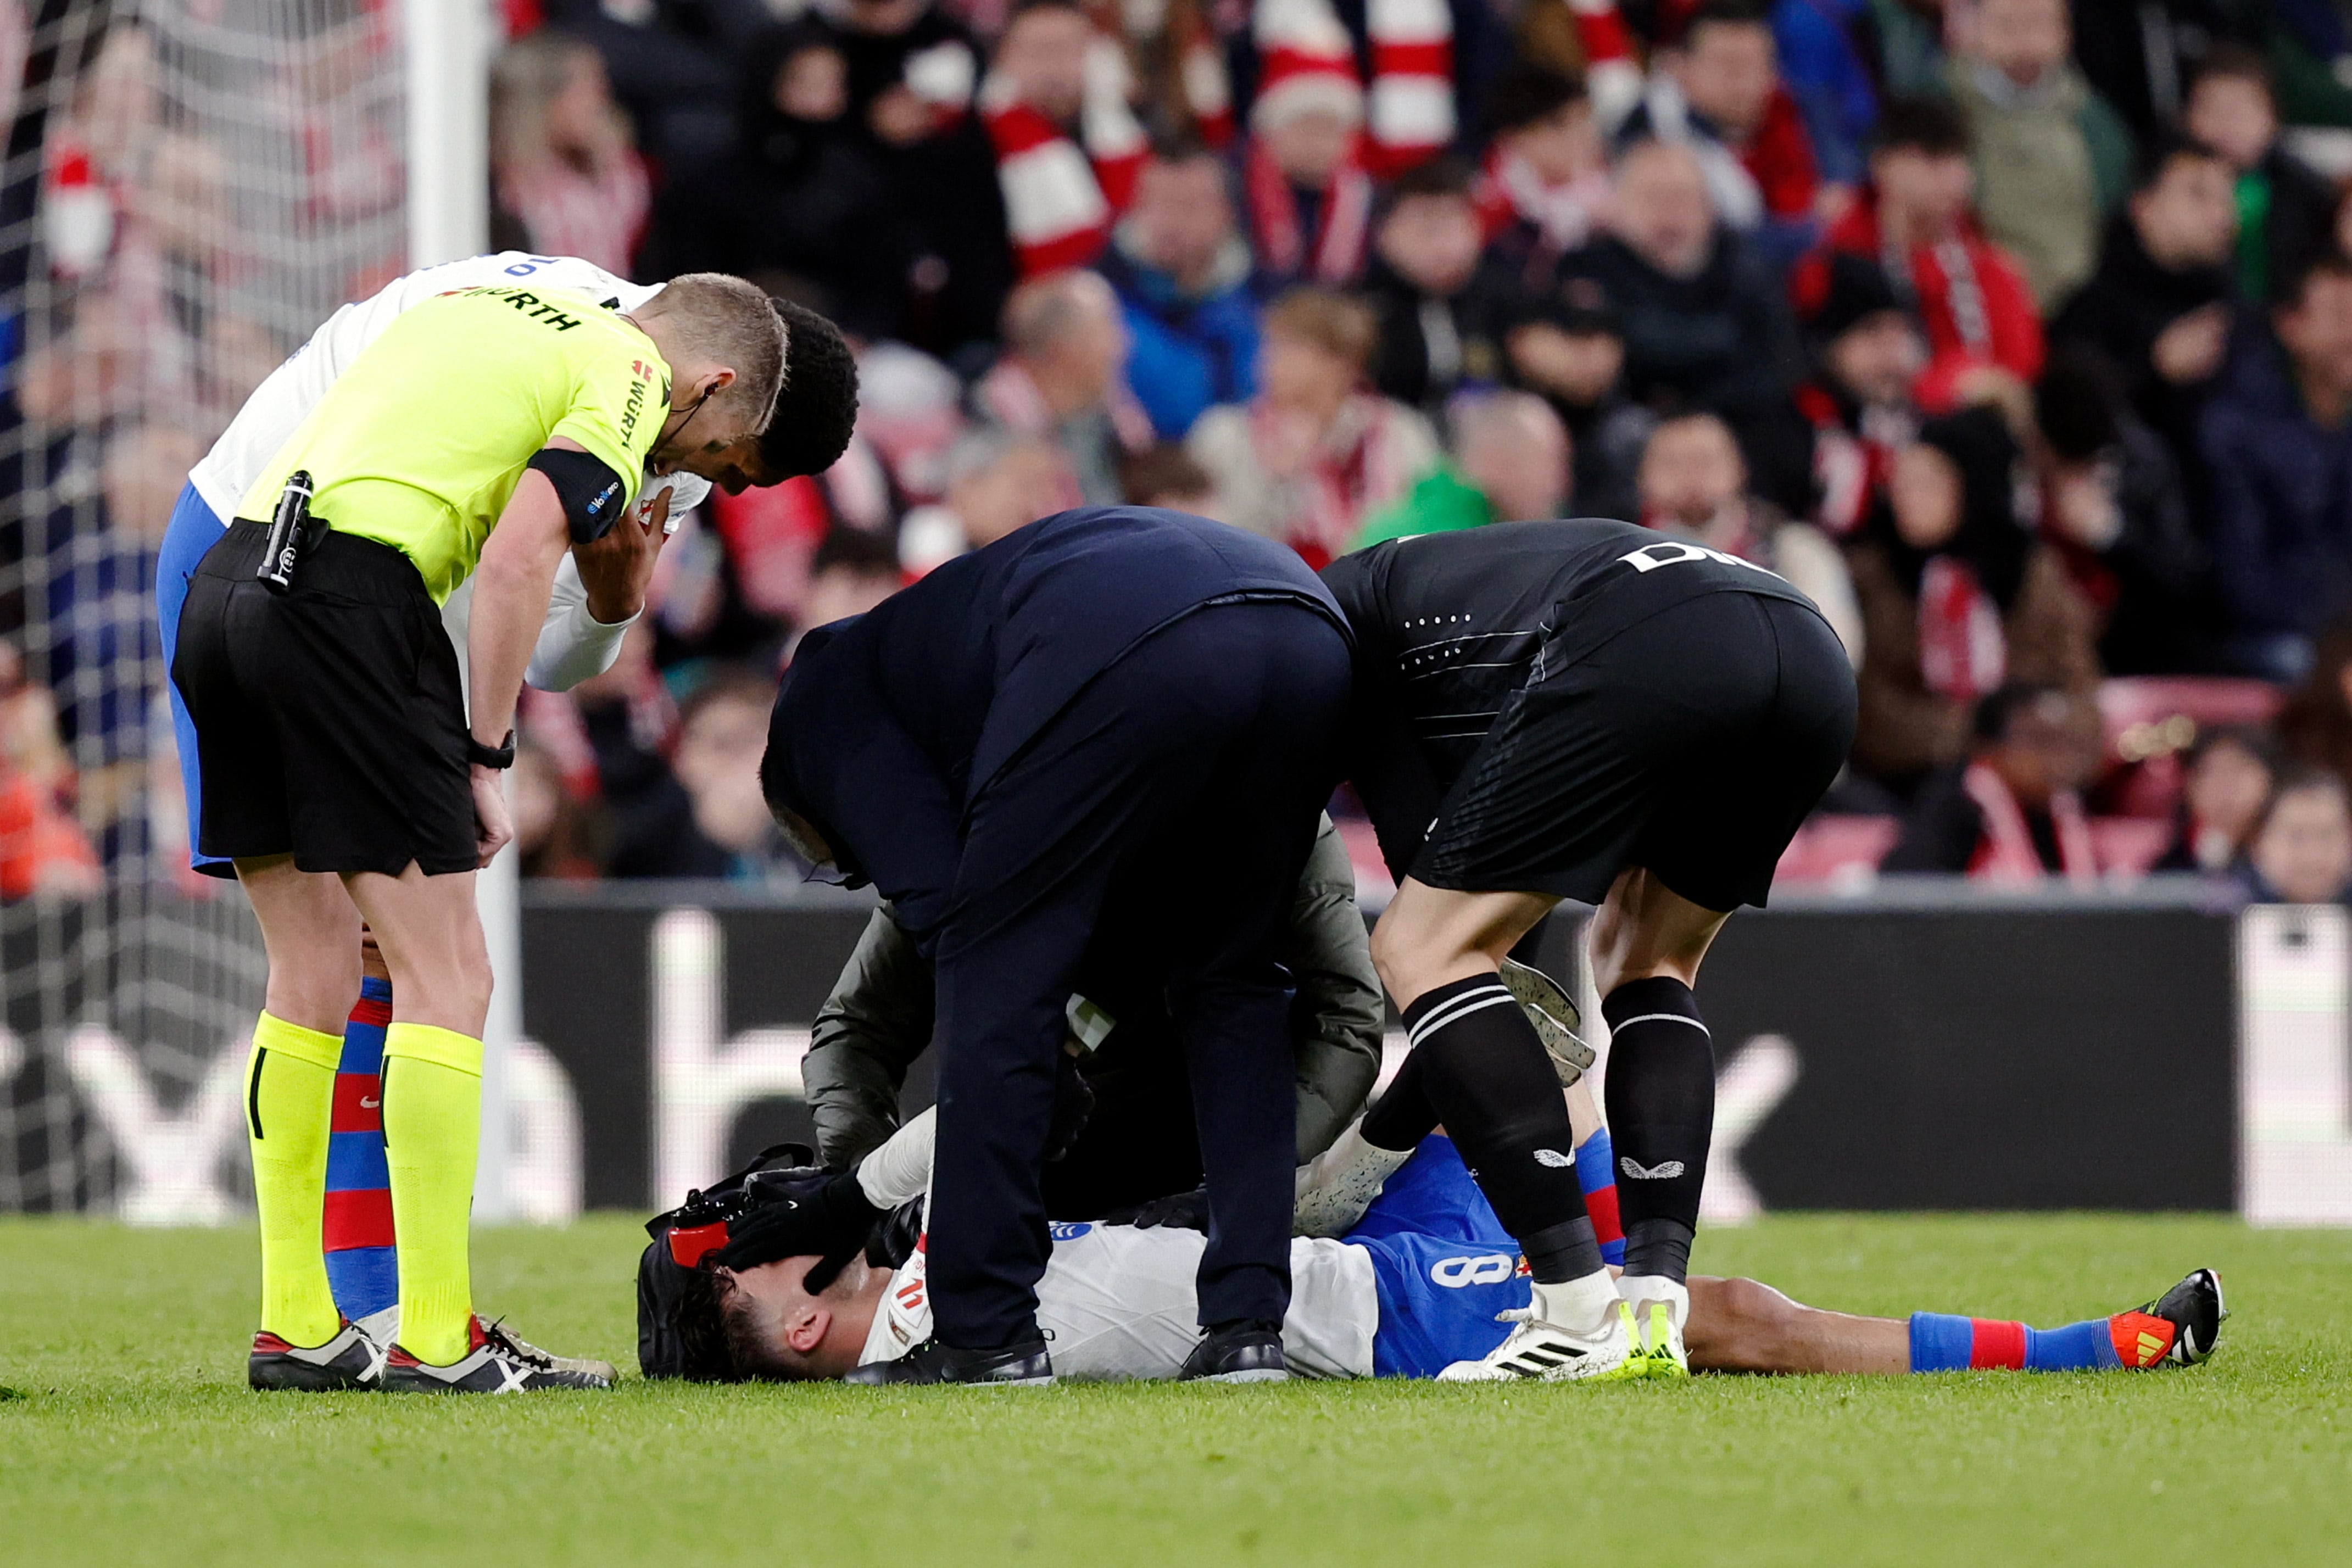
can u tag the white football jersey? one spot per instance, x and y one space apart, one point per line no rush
1117 1303
283 401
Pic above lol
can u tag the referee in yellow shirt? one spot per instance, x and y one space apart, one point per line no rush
483 434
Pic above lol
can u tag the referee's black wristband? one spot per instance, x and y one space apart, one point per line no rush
482 756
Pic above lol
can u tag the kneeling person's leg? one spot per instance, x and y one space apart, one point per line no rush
1256 694
1255 815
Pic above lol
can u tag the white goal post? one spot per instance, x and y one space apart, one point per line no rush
449 45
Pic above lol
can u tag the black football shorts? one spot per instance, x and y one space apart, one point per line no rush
330 720
1692 742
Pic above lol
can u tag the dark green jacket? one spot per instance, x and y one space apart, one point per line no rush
878 1020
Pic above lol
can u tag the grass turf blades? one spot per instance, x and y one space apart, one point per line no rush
129 1436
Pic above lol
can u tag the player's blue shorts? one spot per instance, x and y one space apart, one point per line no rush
1443 1264
194 529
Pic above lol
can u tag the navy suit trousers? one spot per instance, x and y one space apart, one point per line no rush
1177 792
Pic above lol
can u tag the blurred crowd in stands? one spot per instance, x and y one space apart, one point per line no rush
2017 333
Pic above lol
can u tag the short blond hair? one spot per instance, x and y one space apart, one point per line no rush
712 317
1343 328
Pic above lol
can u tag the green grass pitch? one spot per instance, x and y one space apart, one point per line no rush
127 1434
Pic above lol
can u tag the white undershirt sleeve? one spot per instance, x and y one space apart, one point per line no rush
900 1170
572 644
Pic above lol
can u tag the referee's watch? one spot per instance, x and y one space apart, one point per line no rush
480 756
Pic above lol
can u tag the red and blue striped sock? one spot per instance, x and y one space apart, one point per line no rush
362 1264
1596 1168
1942 1343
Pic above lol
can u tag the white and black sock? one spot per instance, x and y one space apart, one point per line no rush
1661 1094
1478 1067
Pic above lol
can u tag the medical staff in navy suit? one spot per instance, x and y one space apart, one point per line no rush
1114 706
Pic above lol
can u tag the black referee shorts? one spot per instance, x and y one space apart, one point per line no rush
1692 744
330 720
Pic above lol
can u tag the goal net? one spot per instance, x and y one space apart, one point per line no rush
189 187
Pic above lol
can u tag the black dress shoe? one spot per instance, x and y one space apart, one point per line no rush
1244 1351
1022 1366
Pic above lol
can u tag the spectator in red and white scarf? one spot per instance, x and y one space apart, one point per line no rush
1984 332
1545 187
1068 147
1062 377
1308 195
1666 112
1958 597
1954 494
1308 458
1856 411
564 175
2013 812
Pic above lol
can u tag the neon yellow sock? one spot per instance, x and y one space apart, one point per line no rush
432 1132
289 1103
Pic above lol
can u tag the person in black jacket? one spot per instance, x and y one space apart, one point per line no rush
1566 347
2114 504
1114 708
2159 307
804 193
1442 308
1138 1144
2233 109
913 70
1705 320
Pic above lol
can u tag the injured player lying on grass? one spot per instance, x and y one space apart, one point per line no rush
1423 1276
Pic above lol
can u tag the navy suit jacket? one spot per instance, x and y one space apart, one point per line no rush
891 725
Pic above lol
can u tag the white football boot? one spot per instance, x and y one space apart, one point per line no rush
1543 1348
